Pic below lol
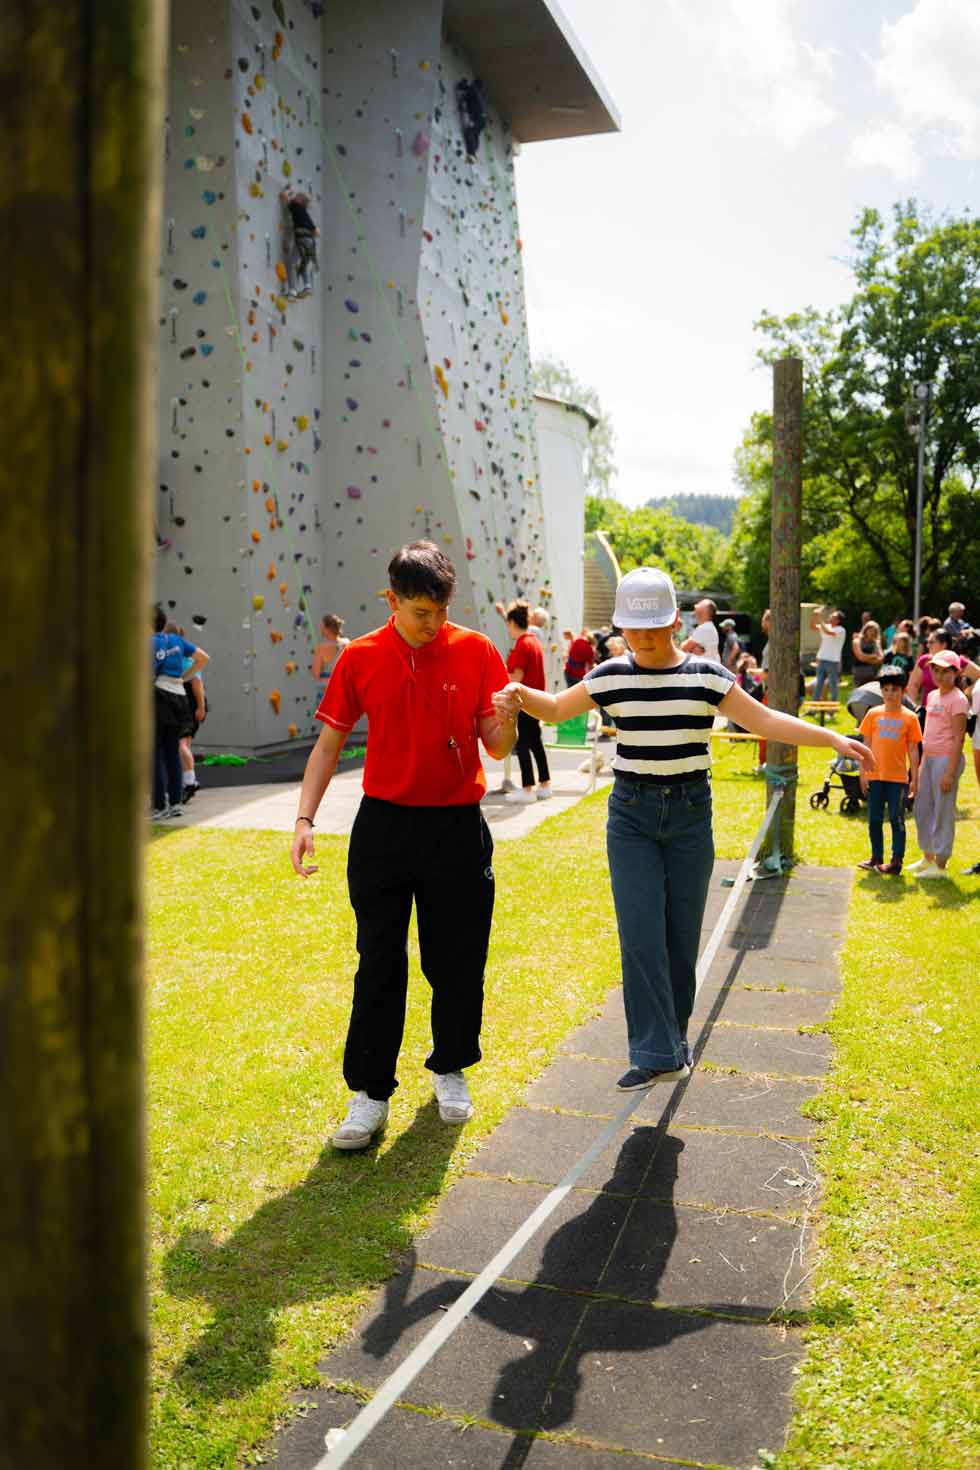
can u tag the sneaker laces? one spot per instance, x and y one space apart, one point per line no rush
453 1088
363 1111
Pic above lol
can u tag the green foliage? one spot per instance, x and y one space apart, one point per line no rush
695 556
717 511
549 375
914 316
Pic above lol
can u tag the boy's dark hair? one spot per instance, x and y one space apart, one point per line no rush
517 614
159 620
420 569
331 621
893 674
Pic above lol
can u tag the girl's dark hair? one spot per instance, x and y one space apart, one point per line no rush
420 569
159 620
941 636
331 621
517 614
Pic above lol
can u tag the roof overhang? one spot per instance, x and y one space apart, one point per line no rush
533 68
569 407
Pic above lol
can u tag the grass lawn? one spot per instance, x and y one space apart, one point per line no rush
264 1245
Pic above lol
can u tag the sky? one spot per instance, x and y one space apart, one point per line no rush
753 134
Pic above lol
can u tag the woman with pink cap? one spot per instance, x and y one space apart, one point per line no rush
942 766
663 703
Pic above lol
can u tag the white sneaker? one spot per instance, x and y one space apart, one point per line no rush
159 814
918 866
543 793
453 1097
173 811
520 798
364 1117
931 870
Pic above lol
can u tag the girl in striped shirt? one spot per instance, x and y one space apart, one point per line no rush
658 837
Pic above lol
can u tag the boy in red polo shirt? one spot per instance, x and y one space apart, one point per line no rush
426 686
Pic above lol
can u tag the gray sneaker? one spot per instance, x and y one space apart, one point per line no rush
453 1097
364 1117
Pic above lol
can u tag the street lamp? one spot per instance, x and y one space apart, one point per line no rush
920 393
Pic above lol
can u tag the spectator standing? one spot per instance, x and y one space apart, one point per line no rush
703 638
867 652
974 869
893 735
921 680
580 657
829 653
328 650
900 654
955 624
525 665
942 767
196 715
169 652
426 686
731 650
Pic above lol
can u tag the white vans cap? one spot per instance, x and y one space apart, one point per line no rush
645 599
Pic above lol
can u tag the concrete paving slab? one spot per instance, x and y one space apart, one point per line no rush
542 1147
686 1387
762 967
780 1053
745 1007
732 1171
603 1037
479 1215
740 1265
741 1104
500 1360
580 1083
567 1455
402 1441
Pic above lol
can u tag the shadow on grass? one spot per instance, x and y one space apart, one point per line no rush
335 1232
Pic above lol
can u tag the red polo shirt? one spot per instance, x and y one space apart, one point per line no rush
526 654
417 701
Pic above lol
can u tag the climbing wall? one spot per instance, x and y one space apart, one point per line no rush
303 440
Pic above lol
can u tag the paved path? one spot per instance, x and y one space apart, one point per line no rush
274 806
644 1319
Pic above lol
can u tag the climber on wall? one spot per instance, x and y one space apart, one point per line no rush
302 258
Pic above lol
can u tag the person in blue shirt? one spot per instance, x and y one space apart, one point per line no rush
169 653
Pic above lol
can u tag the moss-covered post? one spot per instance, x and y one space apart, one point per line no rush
784 587
81 134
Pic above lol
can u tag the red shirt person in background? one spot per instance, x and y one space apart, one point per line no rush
426 686
525 664
579 659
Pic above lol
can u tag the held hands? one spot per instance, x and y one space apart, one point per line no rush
507 701
858 751
301 848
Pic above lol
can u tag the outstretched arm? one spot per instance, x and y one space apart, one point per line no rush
551 707
772 725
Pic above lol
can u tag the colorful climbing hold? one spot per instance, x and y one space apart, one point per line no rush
281 272
258 602
246 122
275 699
256 537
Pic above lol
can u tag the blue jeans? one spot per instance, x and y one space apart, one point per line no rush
661 852
828 672
888 795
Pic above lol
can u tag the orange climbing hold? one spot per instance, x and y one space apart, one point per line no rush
275 699
256 537
283 588
290 667
274 636
271 574
256 486
246 122
266 438
281 272
292 732
270 503
440 378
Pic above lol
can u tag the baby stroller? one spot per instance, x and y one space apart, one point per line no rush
849 771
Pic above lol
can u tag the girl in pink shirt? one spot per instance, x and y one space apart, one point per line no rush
942 767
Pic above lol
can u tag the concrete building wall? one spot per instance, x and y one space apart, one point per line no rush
302 441
563 436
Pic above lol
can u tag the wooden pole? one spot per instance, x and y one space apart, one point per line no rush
784 585
81 129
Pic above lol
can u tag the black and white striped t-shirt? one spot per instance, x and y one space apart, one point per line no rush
663 717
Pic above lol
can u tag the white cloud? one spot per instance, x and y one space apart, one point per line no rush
774 82
929 67
889 146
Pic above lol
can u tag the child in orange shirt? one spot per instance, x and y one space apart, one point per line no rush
893 733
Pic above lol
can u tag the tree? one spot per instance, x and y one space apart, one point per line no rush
550 375
914 317
695 556
701 510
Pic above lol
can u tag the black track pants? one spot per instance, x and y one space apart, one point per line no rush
442 858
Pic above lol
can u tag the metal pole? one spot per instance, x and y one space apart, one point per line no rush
82 122
784 592
919 483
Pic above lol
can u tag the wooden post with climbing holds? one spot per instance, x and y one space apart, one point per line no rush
81 116
784 591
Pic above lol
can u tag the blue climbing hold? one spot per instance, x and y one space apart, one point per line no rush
199 232
352 305
199 298
352 404
365 336
209 196
206 349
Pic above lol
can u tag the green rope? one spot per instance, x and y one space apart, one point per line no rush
780 776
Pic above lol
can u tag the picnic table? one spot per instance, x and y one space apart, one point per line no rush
821 707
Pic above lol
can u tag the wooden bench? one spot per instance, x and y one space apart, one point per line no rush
821 707
735 735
